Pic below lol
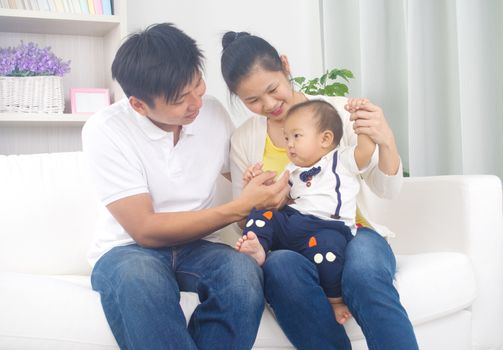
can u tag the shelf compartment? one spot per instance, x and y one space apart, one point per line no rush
46 22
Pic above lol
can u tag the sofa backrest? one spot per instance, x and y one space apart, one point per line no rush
47 213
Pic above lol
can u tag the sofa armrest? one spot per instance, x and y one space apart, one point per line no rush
460 213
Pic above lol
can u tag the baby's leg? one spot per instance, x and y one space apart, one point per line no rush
325 248
342 313
250 245
258 224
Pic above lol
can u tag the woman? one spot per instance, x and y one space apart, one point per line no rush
253 70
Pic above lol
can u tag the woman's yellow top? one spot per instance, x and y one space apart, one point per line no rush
275 159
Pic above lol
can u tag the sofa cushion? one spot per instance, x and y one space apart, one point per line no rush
62 312
49 205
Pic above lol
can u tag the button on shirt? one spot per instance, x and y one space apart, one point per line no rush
128 155
331 193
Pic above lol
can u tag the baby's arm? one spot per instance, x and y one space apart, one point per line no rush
251 172
365 146
364 150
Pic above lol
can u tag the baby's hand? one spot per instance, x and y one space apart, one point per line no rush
251 172
355 104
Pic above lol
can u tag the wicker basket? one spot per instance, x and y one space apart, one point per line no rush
40 94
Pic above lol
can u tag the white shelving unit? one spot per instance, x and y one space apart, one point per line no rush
28 119
90 43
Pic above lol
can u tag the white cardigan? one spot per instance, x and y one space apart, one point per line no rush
248 144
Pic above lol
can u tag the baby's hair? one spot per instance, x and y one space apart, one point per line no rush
325 115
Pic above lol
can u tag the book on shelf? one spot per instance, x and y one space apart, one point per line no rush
90 4
84 7
98 9
44 5
107 7
26 4
34 5
66 9
76 6
59 5
5 4
87 7
52 5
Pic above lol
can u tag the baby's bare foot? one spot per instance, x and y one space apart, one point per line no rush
250 245
342 313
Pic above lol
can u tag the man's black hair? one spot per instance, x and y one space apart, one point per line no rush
157 62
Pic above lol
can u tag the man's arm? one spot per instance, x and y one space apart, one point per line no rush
151 229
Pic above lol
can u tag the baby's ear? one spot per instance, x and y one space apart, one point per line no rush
327 138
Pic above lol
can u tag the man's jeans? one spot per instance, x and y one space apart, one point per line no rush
293 290
140 294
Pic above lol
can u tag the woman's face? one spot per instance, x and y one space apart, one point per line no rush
266 93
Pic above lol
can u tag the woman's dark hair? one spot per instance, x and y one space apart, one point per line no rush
157 62
242 52
324 114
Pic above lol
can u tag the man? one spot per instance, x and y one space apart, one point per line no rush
154 158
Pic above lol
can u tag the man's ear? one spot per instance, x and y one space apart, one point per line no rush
138 105
327 138
285 64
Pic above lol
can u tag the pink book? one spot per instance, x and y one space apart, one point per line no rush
98 8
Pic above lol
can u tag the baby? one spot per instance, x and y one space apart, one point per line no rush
320 219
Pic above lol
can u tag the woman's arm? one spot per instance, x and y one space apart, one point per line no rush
369 120
239 162
384 174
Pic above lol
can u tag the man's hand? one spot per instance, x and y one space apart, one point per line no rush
263 193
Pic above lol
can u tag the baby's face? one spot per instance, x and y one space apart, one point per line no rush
304 140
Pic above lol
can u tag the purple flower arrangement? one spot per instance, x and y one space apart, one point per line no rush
30 60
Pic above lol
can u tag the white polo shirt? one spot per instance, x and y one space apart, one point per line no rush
127 155
330 194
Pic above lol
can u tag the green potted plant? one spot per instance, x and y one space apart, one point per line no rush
327 84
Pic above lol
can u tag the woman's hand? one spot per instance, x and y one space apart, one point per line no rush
369 120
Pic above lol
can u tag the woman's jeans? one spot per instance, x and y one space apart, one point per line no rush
293 290
140 294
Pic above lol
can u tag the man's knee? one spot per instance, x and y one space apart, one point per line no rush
243 278
130 272
285 271
281 264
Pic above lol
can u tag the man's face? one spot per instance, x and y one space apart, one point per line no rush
170 115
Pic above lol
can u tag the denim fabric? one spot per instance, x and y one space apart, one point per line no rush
292 288
140 294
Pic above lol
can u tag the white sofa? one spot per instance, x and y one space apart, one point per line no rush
449 246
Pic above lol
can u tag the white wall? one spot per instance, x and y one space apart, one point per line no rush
292 26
